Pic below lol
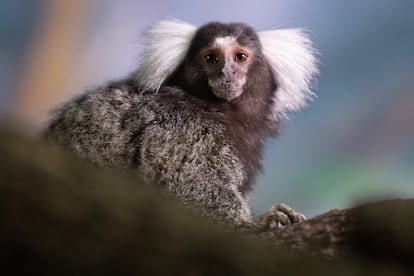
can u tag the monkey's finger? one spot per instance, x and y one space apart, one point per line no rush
294 216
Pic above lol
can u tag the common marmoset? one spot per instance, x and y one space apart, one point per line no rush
195 115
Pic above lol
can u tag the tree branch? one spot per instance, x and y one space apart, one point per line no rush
58 217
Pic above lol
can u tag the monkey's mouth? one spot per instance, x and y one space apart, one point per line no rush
227 90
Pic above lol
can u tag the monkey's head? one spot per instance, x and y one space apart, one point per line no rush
220 56
221 60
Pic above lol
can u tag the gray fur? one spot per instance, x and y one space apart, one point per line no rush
187 155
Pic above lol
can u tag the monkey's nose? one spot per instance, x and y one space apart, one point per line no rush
227 71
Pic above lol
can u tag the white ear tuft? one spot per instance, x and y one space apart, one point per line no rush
293 60
164 47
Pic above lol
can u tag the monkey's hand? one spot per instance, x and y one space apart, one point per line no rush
279 216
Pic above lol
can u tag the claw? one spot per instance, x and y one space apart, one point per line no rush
280 216
294 216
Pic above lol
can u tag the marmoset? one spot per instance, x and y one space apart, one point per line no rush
194 116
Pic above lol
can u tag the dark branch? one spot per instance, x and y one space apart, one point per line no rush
59 218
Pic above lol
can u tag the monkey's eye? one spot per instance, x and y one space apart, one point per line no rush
211 58
241 57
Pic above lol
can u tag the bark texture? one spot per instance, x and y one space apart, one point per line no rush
58 217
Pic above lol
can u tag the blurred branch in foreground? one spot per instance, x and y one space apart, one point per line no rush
59 217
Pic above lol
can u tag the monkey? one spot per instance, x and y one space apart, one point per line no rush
194 116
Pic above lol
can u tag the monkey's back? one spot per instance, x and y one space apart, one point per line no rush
169 136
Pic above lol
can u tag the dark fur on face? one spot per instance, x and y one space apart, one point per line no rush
218 70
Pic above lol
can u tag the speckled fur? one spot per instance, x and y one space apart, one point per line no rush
205 150
167 137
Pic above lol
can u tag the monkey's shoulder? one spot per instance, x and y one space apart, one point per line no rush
172 105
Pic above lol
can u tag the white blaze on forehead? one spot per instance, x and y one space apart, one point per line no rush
224 42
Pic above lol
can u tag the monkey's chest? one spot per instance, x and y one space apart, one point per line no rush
188 151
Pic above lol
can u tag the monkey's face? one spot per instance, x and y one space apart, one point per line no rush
226 64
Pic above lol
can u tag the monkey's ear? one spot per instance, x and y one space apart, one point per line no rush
163 48
294 63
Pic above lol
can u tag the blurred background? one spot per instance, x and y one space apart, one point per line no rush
355 142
